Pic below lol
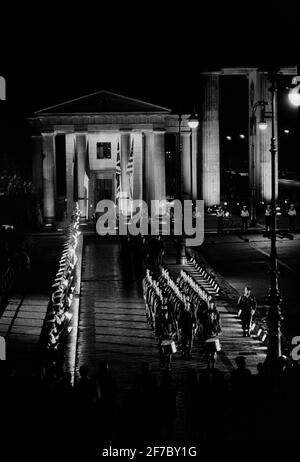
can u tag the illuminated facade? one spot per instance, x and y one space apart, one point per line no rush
81 145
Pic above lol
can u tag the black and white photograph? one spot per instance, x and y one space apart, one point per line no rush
149 231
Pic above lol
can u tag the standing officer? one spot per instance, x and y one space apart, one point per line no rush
292 218
245 218
187 323
268 218
247 306
220 219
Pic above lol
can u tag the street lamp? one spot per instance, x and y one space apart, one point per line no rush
294 93
274 298
262 126
193 122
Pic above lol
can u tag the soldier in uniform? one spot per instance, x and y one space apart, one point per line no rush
187 323
220 219
247 306
245 218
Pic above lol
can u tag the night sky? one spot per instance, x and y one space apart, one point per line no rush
149 52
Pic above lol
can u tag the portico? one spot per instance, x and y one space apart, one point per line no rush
99 131
259 166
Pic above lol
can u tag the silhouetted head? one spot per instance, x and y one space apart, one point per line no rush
260 368
240 362
145 368
103 367
83 371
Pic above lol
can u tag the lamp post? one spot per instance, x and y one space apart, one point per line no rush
193 122
274 298
262 126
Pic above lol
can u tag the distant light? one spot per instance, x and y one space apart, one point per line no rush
193 121
294 93
263 125
286 131
225 203
228 138
294 98
242 137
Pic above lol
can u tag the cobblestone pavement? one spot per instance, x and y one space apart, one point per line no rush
113 324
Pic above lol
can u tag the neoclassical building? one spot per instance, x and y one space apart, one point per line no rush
85 142
91 133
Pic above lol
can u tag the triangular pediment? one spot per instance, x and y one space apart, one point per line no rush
103 102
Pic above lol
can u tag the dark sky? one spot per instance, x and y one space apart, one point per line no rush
152 50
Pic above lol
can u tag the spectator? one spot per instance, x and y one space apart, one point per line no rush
245 218
167 395
220 219
292 218
268 218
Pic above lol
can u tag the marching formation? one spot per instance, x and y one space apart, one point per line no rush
58 312
180 310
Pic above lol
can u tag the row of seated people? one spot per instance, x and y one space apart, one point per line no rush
58 313
209 278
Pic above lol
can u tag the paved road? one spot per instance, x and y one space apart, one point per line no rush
247 263
22 320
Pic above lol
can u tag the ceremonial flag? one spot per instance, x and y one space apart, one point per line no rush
87 171
118 172
129 169
75 174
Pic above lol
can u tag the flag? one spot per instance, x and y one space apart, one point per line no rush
129 169
118 172
75 174
87 171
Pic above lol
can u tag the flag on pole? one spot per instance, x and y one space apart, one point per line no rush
75 174
118 173
129 169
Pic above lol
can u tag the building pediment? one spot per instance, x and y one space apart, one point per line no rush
103 102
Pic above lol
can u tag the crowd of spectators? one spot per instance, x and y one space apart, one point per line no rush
58 317
201 407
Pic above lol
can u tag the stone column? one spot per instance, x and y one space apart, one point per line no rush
210 140
159 164
37 163
195 164
70 153
149 192
125 151
264 143
254 159
137 189
48 177
186 166
81 158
